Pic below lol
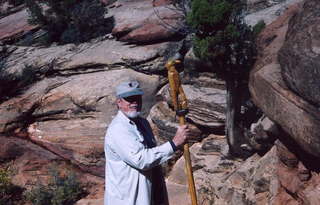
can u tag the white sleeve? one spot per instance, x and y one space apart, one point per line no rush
133 152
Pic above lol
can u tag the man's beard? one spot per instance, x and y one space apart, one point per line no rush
132 114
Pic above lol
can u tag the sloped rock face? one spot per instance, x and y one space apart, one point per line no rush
300 55
15 26
270 93
88 57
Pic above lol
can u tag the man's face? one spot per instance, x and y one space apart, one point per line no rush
131 106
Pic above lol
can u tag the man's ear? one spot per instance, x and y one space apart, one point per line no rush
118 100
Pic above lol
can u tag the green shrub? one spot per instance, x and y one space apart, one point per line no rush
39 195
69 21
223 38
207 15
9 193
5 186
61 190
258 27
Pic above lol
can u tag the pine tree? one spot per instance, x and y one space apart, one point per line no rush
223 38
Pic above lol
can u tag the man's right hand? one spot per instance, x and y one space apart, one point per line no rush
181 136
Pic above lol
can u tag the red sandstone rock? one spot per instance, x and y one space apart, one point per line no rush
141 22
149 32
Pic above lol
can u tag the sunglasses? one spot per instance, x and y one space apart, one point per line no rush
134 98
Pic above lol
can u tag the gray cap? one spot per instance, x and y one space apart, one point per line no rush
128 88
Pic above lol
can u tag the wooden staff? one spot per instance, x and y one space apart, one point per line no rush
180 104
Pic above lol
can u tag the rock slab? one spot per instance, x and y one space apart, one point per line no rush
299 56
300 119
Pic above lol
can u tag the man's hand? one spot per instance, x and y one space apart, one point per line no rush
182 134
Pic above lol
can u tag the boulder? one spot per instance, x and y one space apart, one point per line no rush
270 93
262 134
206 105
300 120
207 162
204 155
141 22
202 160
165 123
299 56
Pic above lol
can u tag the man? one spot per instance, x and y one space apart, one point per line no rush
132 157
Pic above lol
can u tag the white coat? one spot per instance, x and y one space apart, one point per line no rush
129 162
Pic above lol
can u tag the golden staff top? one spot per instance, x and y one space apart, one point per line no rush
179 99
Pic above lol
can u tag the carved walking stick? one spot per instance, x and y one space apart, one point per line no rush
180 104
